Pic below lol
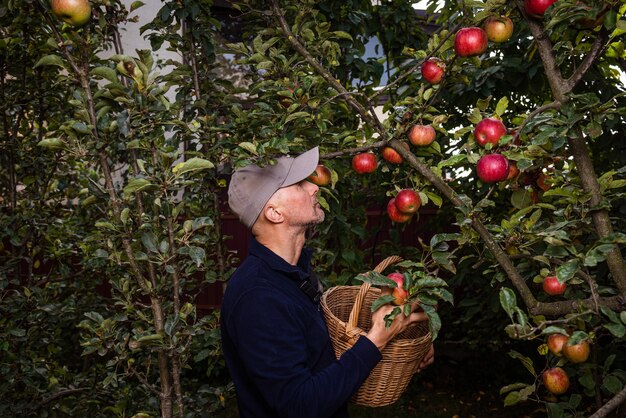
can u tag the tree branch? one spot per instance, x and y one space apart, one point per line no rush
332 81
596 49
610 405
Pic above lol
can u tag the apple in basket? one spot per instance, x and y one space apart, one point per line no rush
399 293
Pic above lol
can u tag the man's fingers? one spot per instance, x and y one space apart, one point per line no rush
418 317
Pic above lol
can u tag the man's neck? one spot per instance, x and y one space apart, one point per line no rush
286 244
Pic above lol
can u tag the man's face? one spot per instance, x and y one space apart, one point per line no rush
300 205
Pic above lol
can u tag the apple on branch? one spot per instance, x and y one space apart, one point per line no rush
498 28
577 353
72 12
408 201
552 286
321 176
364 163
422 135
391 155
492 168
556 342
537 8
489 131
433 69
394 213
470 41
556 380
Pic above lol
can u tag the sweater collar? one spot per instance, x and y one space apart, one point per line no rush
276 262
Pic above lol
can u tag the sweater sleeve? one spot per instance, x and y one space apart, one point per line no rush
270 337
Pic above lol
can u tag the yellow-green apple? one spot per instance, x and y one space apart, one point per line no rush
364 163
537 8
498 28
408 201
394 213
556 380
489 131
552 286
492 168
556 343
577 353
321 176
72 12
422 135
470 41
433 69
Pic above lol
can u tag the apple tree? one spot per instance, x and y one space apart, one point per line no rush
543 197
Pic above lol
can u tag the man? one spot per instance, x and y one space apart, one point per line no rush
275 341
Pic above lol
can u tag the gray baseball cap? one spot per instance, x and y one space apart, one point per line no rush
251 187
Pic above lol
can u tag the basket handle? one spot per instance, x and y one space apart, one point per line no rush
358 302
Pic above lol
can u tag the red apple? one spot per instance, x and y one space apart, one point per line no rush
513 170
556 343
541 182
433 70
321 176
470 42
394 213
489 131
552 286
577 353
398 292
391 155
498 28
537 8
364 163
398 278
72 12
556 380
492 168
408 201
422 135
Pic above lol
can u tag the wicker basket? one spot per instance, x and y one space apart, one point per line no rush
347 310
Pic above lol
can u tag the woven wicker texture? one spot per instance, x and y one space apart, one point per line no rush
347 310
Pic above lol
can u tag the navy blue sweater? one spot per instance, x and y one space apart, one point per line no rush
276 343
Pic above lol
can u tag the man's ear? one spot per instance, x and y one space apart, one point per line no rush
273 213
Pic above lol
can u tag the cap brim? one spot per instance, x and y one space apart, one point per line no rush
302 166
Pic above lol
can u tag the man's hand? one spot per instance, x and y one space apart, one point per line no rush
428 359
380 335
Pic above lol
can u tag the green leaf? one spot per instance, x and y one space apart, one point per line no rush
376 279
431 282
193 164
512 386
149 241
567 270
502 105
105 72
612 384
137 185
342 35
618 330
297 115
381 301
622 317
51 143
511 399
198 255
248 146
508 300
51 59
136 5
526 361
